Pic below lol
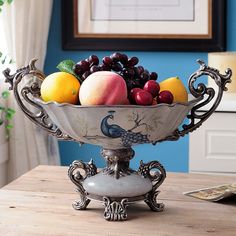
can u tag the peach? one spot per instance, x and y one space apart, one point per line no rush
103 88
126 102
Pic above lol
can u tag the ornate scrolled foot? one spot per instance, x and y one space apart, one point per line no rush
151 201
82 204
77 178
114 210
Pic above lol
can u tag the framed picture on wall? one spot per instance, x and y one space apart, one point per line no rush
145 25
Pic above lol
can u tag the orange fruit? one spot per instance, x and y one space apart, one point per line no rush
60 87
176 87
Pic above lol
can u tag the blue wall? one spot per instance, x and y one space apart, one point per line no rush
173 155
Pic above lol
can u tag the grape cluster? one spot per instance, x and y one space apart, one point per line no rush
134 75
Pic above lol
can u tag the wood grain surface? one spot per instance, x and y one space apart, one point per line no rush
39 203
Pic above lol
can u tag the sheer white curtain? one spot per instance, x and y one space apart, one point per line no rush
25 26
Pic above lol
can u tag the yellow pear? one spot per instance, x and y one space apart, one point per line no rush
176 87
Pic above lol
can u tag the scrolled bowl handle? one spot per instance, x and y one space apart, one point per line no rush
154 171
200 91
38 116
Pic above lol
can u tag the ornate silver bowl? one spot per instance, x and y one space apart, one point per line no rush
116 129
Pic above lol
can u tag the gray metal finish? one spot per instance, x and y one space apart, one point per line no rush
117 159
115 207
114 210
118 162
38 115
77 178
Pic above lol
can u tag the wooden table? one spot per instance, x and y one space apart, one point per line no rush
39 203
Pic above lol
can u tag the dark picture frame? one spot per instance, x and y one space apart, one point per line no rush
216 42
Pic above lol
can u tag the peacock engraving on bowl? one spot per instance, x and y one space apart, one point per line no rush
116 128
128 137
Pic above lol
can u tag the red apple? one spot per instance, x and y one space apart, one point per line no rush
133 93
143 98
165 96
152 87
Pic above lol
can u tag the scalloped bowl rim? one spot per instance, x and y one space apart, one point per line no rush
190 102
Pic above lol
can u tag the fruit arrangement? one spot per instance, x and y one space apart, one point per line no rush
117 80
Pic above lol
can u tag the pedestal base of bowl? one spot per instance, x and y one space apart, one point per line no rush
117 126
116 186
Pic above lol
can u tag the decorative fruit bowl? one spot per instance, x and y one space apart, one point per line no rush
116 128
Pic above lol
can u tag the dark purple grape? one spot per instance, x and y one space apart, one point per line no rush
146 71
116 56
141 69
77 69
153 76
128 73
94 68
116 67
133 61
142 82
84 65
144 77
124 59
138 84
107 61
130 85
104 67
85 75
93 60
137 72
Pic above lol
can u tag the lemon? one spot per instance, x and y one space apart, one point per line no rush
176 87
60 87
